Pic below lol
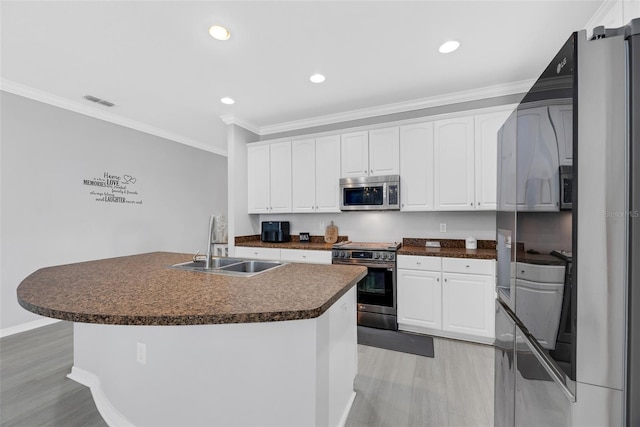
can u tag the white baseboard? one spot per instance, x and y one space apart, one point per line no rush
345 414
23 327
111 415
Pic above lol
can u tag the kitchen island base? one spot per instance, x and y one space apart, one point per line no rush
287 373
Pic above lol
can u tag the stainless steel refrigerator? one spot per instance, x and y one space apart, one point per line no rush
568 240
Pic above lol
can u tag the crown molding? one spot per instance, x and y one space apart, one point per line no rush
400 107
77 107
231 119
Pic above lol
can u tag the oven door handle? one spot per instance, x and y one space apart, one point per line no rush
388 267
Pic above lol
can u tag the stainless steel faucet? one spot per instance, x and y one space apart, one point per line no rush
212 220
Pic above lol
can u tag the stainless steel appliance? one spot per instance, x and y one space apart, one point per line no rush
275 231
377 291
568 240
566 186
367 193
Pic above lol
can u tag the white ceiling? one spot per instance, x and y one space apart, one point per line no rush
156 61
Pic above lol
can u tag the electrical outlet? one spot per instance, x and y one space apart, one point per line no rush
443 228
141 353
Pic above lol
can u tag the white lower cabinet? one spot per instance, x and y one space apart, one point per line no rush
419 298
467 304
305 256
448 297
286 255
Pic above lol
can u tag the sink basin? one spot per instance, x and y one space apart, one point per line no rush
252 266
230 266
200 266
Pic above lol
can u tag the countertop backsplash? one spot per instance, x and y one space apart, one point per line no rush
393 226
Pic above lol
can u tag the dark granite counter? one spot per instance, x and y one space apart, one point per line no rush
142 290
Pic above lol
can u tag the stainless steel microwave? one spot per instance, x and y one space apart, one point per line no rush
566 187
370 193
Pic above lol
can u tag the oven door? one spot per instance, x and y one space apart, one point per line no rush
376 291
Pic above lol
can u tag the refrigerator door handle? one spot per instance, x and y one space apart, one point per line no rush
554 373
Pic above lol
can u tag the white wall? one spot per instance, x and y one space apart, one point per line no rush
239 222
49 217
394 225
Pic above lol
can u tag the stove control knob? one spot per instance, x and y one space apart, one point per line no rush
342 254
376 255
391 257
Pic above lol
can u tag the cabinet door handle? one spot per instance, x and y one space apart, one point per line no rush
445 280
371 171
471 203
437 279
418 262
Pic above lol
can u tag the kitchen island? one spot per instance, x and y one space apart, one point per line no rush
161 346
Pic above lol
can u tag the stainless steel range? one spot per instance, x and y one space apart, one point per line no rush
377 291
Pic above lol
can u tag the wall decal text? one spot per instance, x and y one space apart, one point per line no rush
114 188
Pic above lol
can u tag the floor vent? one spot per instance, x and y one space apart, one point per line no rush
98 100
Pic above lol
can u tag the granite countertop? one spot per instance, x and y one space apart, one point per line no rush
141 290
317 243
451 248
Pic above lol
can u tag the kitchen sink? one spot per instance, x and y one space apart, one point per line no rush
251 266
230 266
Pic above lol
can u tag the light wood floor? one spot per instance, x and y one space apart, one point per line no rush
454 389
394 389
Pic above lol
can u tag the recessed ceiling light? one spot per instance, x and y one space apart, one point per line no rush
317 78
227 100
219 33
448 47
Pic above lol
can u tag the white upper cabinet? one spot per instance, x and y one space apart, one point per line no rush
416 167
562 120
259 178
281 177
316 174
384 151
328 174
355 154
454 164
486 158
303 173
372 153
507 136
269 178
537 170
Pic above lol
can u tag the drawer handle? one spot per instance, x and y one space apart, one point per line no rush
418 262
522 271
467 266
